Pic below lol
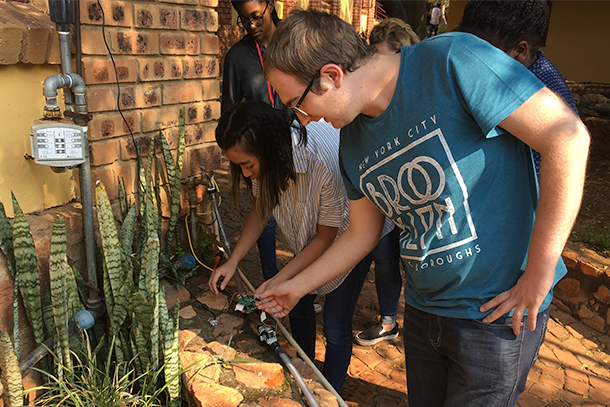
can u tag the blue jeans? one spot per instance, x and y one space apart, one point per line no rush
266 250
465 362
388 279
339 306
433 30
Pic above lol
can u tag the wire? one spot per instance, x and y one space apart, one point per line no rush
118 97
163 275
188 235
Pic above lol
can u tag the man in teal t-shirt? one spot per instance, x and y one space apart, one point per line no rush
436 138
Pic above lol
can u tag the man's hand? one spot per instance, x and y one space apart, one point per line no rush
279 299
527 294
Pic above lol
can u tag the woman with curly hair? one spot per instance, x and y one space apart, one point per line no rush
294 175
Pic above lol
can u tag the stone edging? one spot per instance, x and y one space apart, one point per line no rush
585 291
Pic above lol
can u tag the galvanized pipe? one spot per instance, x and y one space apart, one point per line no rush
78 84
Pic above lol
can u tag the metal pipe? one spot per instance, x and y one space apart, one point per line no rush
66 61
44 348
78 84
297 376
300 351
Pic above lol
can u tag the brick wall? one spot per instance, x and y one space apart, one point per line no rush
166 56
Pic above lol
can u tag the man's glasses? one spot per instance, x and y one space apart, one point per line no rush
307 89
256 21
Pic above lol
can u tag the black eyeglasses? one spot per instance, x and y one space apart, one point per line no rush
256 21
307 89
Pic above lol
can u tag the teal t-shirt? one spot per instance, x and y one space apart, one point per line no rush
462 190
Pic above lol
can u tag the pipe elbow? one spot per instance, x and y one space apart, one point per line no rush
51 84
78 83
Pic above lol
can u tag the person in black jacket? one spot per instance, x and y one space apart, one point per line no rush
243 78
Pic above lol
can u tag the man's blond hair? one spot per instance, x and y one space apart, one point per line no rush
394 32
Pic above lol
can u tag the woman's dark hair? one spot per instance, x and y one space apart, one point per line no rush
505 23
266 133
274 17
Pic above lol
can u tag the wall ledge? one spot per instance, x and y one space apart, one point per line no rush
27 35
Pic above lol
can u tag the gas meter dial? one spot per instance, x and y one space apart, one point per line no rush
57 143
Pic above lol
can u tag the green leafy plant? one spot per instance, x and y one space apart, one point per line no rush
101 383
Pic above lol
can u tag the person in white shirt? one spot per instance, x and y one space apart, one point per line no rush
294 175
435 16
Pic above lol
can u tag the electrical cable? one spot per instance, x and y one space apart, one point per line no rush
118 97
164 275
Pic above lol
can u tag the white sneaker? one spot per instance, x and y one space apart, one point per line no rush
317 307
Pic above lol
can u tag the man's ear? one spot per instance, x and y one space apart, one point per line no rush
521 52
331 75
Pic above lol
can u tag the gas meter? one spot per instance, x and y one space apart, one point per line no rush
58 143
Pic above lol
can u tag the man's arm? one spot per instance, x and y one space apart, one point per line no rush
362 235
550 127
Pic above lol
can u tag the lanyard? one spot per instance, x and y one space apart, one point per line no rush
269 88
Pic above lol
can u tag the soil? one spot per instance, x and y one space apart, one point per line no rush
594 212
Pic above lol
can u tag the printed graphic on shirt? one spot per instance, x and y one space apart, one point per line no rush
421 189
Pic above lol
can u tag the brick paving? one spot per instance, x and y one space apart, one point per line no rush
573 367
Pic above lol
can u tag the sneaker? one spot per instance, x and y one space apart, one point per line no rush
375 334
317 307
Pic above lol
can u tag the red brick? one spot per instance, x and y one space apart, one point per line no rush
588 269
569 397
207 156
212 21
209 44
193 19
567 359
542 390
11 34
137 43
529 400
37 31
53 56
116 13
211 89
103 152
181 1
100 71
576 386
148 96
181 92
551 381
192 44
160 118
155 69
206 67
128 151
568 285
193 113
109 125
127 99
200 133
201 112
172 44
92 41
209 3
600 390
35 43
100 99
211 110
156 17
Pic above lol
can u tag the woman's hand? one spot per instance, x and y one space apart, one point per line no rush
226 271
